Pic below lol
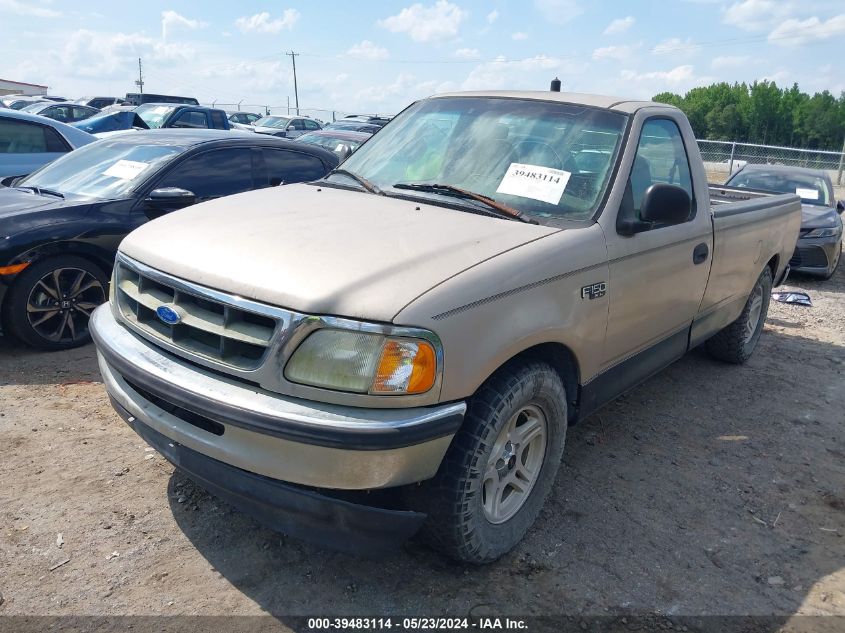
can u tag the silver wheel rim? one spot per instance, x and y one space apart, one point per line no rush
755 307
514 464
60 304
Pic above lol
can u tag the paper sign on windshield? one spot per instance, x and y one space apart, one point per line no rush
534 181
809 194
125 169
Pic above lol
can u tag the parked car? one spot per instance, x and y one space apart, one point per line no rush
65 112
407 340
107 122
285 126
354 126
819 247
17 102
63 223
164 115
29 141
136 99
243 118
341 142
366 118
100 102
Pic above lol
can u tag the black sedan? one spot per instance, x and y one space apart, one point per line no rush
61 225
819 246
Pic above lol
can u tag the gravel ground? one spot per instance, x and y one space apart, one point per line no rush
710 489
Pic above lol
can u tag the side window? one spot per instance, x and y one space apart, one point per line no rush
251 118
212 174
311 125
21 137
237 118
80 113
284 167
60 113
297 124
190 118
661 158
218 120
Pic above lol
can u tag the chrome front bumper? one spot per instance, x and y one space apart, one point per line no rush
284 438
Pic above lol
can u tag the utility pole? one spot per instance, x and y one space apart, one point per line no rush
292 56
140 81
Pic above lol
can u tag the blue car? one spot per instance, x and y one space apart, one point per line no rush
28 141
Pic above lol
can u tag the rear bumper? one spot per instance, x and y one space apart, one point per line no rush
283 438
296 511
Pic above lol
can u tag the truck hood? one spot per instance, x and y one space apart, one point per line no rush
322 250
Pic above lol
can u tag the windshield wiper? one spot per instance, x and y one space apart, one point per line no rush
450 190
43 192
366 184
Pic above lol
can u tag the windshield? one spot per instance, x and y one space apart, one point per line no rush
812 189
105 169
332 143
525 154
272 121
154 115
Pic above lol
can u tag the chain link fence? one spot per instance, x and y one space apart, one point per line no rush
722 158
321 114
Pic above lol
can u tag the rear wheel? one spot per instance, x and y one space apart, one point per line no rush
737 342
51 301
500 467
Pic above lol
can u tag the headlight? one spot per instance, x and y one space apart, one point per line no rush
831 232
362 362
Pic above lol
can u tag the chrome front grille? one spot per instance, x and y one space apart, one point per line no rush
209 327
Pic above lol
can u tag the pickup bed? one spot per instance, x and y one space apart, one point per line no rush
402 345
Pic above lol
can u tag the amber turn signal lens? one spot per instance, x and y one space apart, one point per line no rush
13 269
405 366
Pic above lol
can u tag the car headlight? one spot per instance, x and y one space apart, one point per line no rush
363 362
830 232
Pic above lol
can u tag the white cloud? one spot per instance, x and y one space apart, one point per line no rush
559 11
619 53
439 21
754 15
467 53
619 25
797 32
519 36
28 9
261 22
729 61
676 75
492 16
676 47
171 20
649 83
368 51
532 73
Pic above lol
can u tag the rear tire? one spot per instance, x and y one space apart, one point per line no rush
500 466
50 302
736 343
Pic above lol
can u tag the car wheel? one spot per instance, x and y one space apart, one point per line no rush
500 466
737 342
51 301
836 258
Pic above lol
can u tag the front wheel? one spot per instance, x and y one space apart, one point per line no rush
49 305
737 342
500 466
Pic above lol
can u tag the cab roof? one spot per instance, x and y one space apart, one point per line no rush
618 104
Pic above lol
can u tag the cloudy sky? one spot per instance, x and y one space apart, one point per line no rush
381 55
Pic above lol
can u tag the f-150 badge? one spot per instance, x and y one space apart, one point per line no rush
594 291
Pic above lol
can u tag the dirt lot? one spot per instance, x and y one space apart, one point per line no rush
711 489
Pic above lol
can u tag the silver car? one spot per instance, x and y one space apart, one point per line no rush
64 112
28 141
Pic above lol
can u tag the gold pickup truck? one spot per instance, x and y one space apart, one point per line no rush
401 346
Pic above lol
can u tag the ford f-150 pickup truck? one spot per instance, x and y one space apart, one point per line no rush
401 346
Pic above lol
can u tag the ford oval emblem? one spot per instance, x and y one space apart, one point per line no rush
168 314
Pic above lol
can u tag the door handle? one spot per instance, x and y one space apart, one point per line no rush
699 254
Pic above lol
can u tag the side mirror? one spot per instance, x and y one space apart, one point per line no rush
281 134
169 199
662 204
9 181
343 152
840 206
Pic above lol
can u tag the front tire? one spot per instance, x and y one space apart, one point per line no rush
500 466
51 301
737 342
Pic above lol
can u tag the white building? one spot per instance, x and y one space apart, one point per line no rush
8 87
